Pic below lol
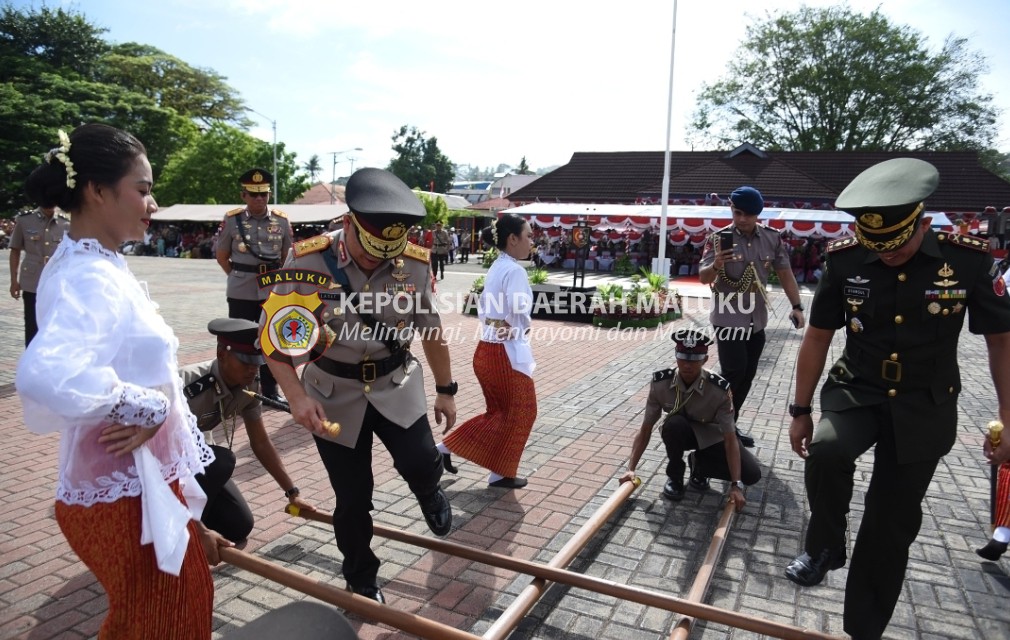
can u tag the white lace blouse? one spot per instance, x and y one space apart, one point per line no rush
103 355
507 297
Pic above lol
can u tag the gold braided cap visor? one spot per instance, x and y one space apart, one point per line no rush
871 224
389 245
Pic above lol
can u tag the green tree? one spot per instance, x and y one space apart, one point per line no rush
419 162
313 167
200 94
206 171
833 79
436 210
32 41
523 169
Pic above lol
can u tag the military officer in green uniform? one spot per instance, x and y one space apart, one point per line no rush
253 239
36 234
216 393
901 292
699 406
368 379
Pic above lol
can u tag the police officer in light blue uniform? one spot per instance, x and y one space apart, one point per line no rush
901 293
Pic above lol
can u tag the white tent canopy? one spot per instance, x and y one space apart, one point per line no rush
297 213
693 219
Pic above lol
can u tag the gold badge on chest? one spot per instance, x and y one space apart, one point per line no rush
945 272
242 248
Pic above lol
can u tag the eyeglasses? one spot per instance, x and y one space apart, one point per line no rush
262 194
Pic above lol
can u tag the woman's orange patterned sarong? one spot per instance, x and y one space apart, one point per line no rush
495 440
144 602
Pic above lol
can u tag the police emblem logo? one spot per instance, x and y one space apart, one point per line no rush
257 177
689 340
293 327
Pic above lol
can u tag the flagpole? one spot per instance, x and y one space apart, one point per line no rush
662 264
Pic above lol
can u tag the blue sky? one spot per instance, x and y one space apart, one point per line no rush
492 82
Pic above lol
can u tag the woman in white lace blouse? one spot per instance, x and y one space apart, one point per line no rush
103 372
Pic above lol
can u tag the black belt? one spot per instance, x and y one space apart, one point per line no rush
366 370
262 267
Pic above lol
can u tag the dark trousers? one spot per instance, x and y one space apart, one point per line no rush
739 352
226 511
438 263
892 511
464 254
710 462
31 324
350 470
251 310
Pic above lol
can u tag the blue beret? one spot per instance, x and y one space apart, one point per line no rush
748 200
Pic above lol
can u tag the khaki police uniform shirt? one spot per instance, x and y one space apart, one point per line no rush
269 237
399 395
902 326
707 404
441 243
37 237
215 404
766 251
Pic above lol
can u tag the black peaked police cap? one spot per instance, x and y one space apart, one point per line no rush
691 344
887 201
383 209
239 337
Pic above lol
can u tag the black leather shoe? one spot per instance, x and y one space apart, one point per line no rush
746 441
508 483
447 464
808 571
371 592
992 550
673 490
696 481
437 512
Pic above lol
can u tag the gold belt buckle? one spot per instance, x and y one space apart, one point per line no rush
890 370
263 268
368 371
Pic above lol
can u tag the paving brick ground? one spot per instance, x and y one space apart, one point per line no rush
591 389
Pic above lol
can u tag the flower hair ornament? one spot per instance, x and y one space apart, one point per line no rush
494 233
62 153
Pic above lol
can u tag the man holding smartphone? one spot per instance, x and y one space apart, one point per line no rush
736 263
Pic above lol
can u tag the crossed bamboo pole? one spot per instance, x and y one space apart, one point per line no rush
544 574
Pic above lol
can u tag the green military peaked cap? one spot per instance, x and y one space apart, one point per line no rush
887 201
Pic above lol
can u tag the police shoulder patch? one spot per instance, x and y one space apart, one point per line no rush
968 242
198 386
234 212
278 213
665 374
26 213
417 252
717 380
842 243
315 244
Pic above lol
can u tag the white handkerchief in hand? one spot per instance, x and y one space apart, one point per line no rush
164 518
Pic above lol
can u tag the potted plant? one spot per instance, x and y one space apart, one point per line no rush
472 296
649 303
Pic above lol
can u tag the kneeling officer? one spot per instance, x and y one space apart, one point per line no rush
700 417
216 394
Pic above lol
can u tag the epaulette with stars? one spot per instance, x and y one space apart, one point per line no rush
417 252
665 374
841 243
717 380
315 244
278 213
234 212
961 240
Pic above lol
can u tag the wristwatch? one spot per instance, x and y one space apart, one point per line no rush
798 306
291 493
448 390
796 410
738 484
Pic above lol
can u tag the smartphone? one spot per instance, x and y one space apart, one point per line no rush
795 321
725 239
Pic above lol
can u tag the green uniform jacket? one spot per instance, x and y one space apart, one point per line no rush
902 326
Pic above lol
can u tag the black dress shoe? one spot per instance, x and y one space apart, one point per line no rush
673 490
437 512
371 592
746 441
447 464
808 571
992 550
697 481
508 483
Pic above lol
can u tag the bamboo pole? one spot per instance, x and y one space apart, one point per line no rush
417 625
702 581
598 585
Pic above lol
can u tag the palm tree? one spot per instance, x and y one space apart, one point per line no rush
313 167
